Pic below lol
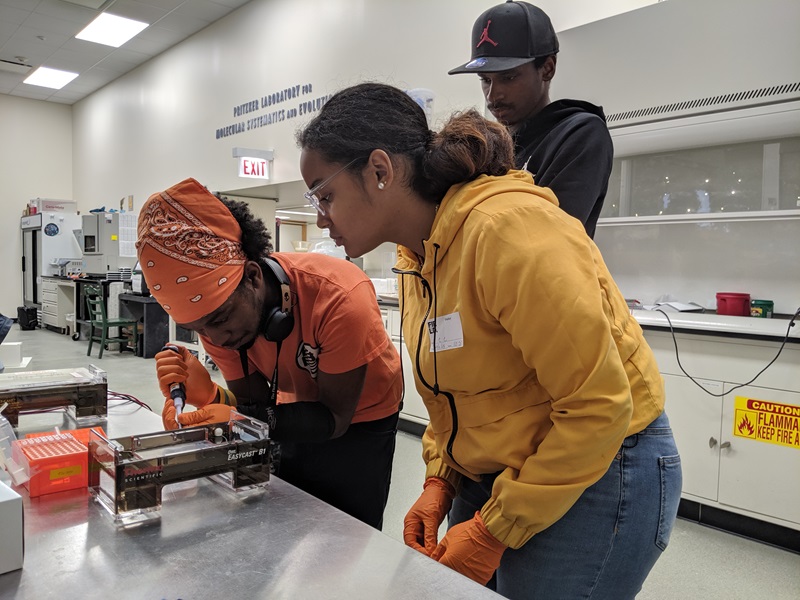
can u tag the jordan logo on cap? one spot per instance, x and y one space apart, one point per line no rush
485 36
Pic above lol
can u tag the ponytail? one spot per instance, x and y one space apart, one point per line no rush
467 147
370 116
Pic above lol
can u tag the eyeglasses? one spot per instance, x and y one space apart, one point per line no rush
311 195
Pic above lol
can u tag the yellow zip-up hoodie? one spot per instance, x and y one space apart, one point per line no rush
541 369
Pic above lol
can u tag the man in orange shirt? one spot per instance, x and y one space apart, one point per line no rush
299 339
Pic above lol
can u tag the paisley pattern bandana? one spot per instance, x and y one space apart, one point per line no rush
190 251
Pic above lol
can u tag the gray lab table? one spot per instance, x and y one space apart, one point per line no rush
281 543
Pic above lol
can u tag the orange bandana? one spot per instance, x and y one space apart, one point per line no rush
190 250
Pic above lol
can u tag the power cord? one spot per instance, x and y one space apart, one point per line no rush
127 398
736 387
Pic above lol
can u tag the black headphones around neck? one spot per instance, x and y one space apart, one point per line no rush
280 321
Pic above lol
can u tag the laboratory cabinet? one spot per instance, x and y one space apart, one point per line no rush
734 472
752 472
760 476
413 408
739 447
58 303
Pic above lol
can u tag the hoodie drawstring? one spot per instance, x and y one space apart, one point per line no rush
432 303
435 328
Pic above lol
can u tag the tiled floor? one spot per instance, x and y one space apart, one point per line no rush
699 563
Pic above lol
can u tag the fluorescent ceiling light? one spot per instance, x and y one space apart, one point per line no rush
295 212
111 30
50 78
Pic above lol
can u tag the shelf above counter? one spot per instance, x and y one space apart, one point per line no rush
719 217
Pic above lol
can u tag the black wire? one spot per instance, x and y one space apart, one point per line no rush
741 385
109 396
127 398
435 325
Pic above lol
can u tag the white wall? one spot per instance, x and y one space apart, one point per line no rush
693 261
156 125
35 162
684 50
680 50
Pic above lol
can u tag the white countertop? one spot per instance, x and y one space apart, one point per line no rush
703 322
710 323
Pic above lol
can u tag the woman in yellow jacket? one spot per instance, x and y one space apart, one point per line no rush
548 443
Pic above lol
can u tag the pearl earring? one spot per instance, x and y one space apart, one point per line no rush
381 185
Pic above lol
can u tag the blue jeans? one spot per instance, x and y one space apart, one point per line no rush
606 544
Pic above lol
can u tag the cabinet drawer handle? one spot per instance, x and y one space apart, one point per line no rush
712 442
724 445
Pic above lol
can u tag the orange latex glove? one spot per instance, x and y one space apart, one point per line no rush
471 550
183 367
211 413
421 525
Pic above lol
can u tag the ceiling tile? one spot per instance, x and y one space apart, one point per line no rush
27 34
203 9
26 5
47 25
147 13
23 21
156 44
4 37
32 91
97 51
166 5
66 11
33 53
65 96
93 4
7 29
73 60
8 81
183 23
106 74
90 81
123 57
13 16
231 3
159 35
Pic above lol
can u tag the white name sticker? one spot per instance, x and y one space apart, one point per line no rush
448 332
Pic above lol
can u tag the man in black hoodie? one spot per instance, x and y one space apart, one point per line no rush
565 144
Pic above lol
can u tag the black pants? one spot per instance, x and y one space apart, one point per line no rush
351 472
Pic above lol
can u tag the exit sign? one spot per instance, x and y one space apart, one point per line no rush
254 168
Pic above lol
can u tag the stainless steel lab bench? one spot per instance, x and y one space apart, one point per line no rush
281 543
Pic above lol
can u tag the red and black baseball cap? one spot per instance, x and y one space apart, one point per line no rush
509 35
